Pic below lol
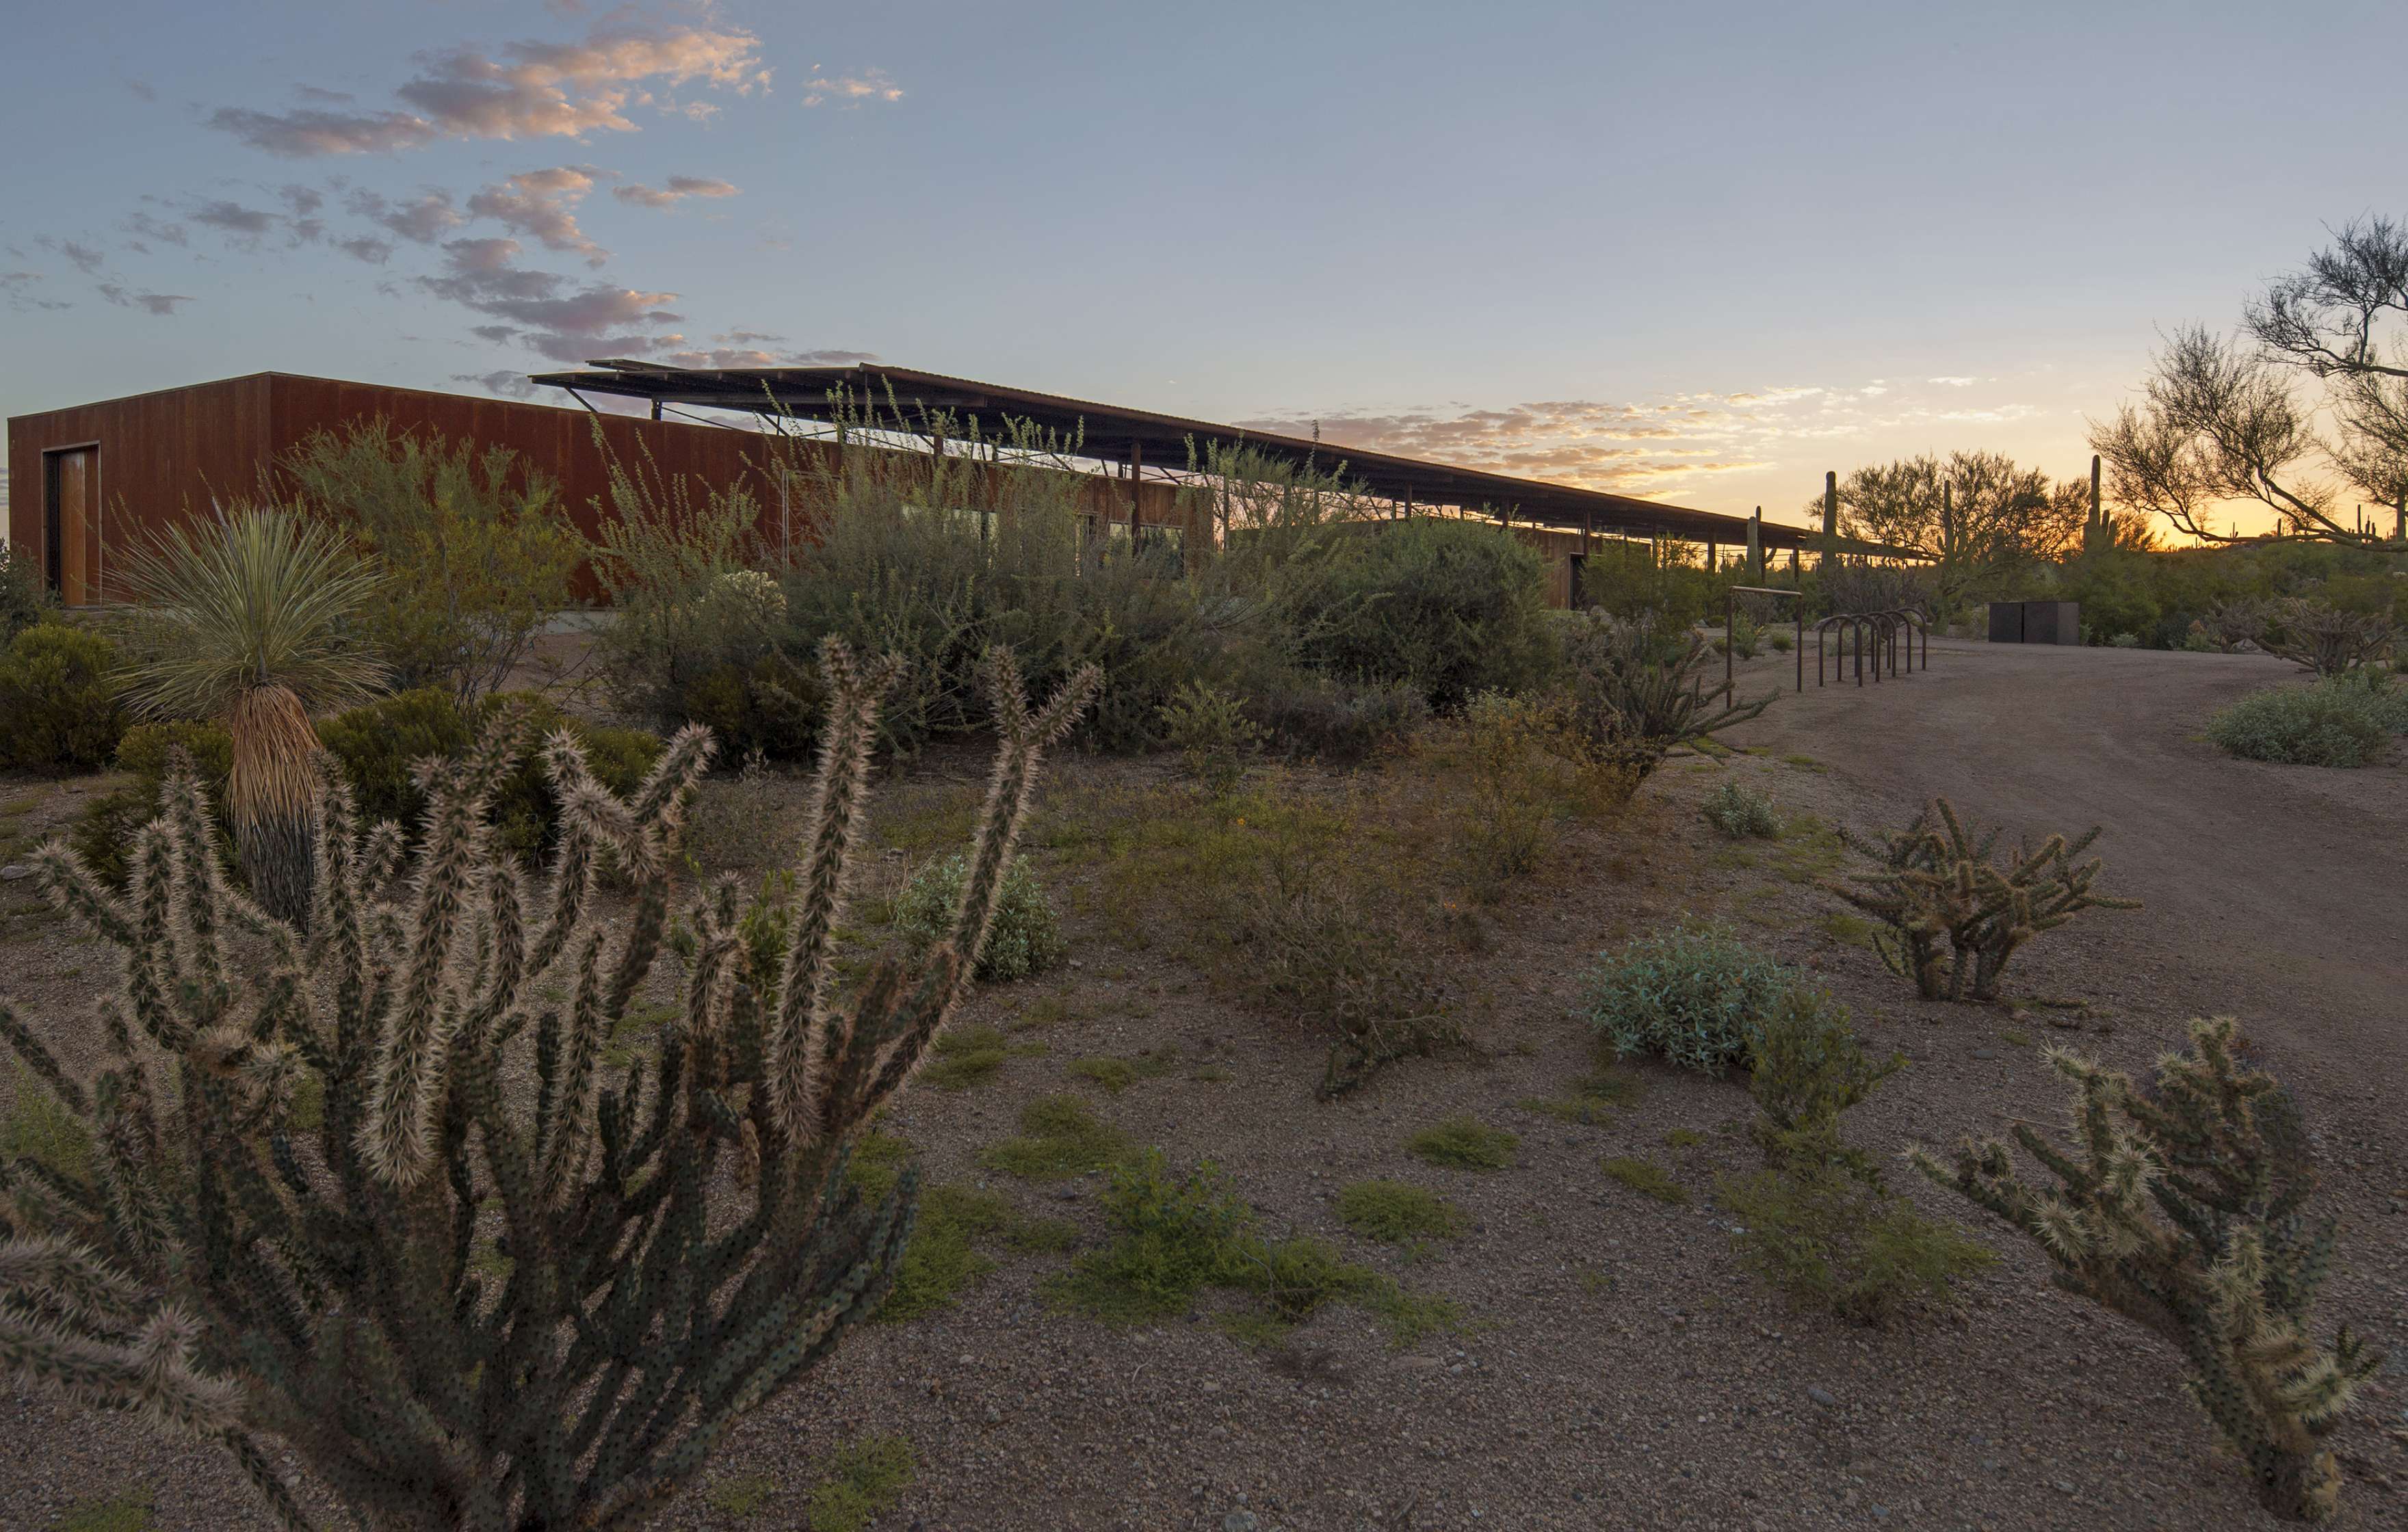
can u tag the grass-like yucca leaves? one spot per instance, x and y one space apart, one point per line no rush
488 1280
245 622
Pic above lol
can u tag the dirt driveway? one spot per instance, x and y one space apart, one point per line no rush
2278 893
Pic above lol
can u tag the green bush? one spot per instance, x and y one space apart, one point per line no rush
1829 1239
105 833
1740 812
58 703
1209 729
24 599
1334 719
1804 1069
1025 938
1450 608
1397 1213
2339 722
1695 997
378 744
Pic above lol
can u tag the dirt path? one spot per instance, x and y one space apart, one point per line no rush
2279 893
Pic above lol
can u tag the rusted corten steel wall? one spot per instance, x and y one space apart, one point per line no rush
166 457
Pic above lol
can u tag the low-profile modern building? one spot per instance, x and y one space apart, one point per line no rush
92 483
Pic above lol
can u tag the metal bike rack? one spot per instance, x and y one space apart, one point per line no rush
1887 638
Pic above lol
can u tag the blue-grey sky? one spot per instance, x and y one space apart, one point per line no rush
1698 252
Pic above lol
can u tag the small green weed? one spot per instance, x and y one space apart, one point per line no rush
1212 1074
1465 1143
860 1479
1829 1239
1647 1179
1116 1075
129 1511
1804 763
1742 813
1059 1138
2016 1039
971 1055
41 1130
1684 1137
1848 930
1397 1213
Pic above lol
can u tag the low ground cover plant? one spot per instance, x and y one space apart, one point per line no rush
1177 1237
1464 1143
1949 918
2341 720
1693 997
1740 812
1397 1213
2183 1206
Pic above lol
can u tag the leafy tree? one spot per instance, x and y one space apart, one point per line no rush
245 621
2305 413
475 551
1976 516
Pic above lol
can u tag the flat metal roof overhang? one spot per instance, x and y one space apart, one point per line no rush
1161 442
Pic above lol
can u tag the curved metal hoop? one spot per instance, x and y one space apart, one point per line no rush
1886 639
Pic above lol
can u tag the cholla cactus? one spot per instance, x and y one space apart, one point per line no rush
2183 1209
1952 920
372 1191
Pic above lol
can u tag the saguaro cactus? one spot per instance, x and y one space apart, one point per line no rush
1950 920
2183 1208
397 1209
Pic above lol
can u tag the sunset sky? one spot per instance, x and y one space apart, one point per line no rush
1694 252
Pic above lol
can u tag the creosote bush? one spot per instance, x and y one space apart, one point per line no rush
1817 1223
1024 939
1209 729
2342 721
1692 996
468 1305
2183 1205
1950 918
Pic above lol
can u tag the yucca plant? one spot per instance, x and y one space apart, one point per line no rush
376 1191
245 622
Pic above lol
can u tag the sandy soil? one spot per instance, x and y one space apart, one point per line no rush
1620 1369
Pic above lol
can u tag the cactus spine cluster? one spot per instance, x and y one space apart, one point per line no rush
2184 1209
373 1190
1950 920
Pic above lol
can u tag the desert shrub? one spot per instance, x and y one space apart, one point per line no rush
1335 720
1805 1067
474 548
766 706
1465 1142
2318 636
1817 1223
1026 938
1832 1243
1693 997
58 701
1742 812
1781 641
2184 1207
1638 688
938 557
1450 608
2339 722
24 598
1509 751
1855 586
103 834
1397 1213
1209 729
380 744
1950 919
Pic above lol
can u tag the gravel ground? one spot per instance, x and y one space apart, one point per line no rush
1620 1369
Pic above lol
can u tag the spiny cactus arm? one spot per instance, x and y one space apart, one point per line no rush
660 800
396 1137
793 1064
266 1480
153 1372
64 879
559 1132
67 1277
196 843
39 1058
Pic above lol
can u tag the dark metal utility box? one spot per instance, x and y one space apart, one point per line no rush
2006 622
2052 622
